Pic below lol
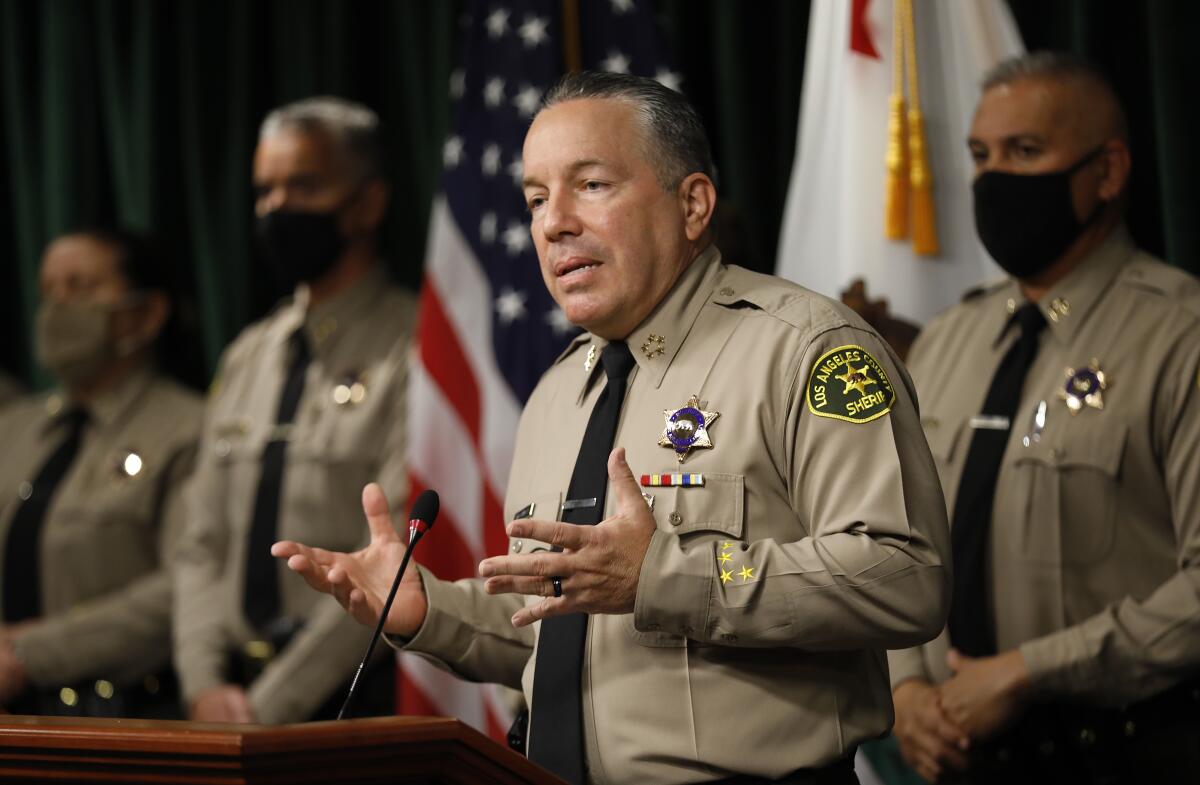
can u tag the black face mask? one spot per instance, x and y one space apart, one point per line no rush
299 247
1027 221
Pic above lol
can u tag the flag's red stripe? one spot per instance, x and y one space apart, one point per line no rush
443 358
448 556
860 34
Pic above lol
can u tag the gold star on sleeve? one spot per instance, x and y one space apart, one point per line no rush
727 545
725 558
747 574
726 576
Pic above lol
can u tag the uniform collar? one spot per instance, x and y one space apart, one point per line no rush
106 408
325 321
655 342
1067 305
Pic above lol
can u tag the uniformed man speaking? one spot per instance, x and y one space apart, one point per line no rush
1063 410
710 601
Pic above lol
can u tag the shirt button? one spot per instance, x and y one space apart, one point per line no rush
25 490
675 518
726 292
729 638
222 448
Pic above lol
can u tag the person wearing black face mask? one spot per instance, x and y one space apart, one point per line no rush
308 407
1063 410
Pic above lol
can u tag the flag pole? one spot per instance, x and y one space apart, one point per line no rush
924 217
572 46
895 214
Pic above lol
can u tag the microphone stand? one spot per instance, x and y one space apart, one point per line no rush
416 529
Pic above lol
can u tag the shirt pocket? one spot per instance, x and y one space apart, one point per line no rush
1069 494
714 511
948 446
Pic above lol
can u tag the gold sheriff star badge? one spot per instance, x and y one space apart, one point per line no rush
687 428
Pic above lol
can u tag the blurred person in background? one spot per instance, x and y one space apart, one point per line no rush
308 407
90 490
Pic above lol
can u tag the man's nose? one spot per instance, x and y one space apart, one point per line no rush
561 218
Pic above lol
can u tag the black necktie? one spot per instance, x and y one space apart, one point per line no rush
970 628
261 599
556 733
22 579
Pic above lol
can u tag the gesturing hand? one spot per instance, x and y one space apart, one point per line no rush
598 567
361 580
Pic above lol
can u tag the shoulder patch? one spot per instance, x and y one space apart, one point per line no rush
847 383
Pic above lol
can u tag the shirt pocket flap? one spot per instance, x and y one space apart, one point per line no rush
715 506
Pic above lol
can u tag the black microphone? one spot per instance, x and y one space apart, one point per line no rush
420 520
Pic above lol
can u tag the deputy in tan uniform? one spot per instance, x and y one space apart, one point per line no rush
308 406
1089 612
772 519
90 491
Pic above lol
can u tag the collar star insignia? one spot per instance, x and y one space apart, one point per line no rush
653 346
1084 387
591 359
687 428
855 379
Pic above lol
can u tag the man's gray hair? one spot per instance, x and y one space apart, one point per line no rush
675 137
1056 67
353 128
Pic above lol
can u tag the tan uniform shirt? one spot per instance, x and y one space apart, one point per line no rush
10 391
349 430
1095 538
106 537
769 593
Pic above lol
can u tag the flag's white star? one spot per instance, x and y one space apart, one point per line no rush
497 23
533 31
527 100
510 305
516 170
558 321
490 162
616 62
669 79
458 83
452 152
621 6
516 238
493 92
487 228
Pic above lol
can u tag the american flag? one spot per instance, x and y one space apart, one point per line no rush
487 328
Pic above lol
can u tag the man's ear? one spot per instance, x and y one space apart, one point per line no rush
1117 166
371 206
697 199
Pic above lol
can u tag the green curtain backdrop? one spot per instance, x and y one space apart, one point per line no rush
145 112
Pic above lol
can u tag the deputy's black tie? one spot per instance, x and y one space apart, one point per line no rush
261 600
556 734
22 557
970 626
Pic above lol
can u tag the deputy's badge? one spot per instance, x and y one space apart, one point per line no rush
1084 387
653 346
847 383
591 359
687 428
351 389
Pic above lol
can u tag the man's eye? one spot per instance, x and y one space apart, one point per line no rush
1028 151
535 203
593 185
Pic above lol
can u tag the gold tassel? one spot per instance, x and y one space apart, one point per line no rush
895 209
924 214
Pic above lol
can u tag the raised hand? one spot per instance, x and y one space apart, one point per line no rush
599 565
360 581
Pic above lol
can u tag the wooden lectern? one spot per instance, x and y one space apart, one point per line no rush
413 750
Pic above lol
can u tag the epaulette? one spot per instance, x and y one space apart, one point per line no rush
987 287
576 342
1158 277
